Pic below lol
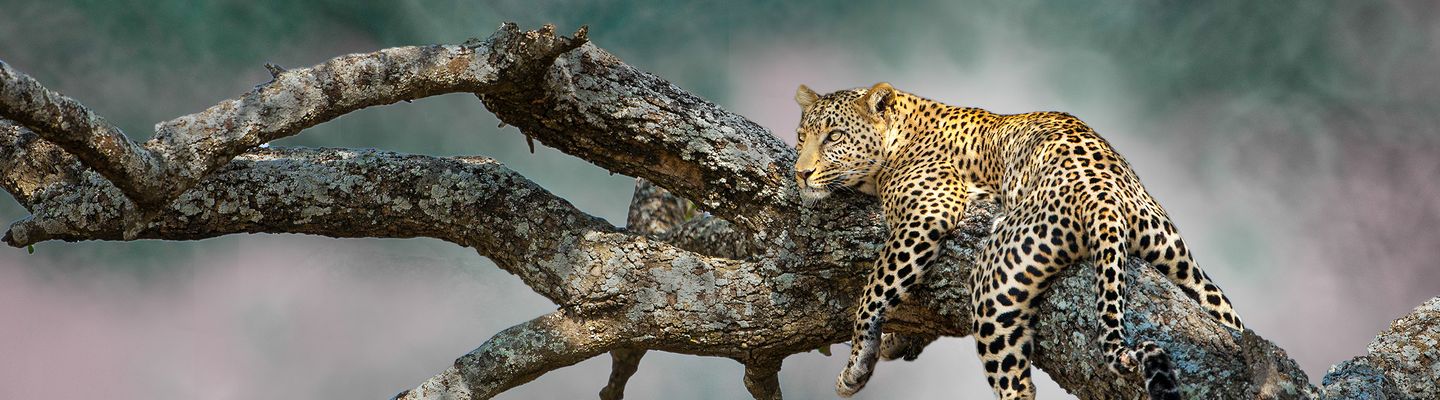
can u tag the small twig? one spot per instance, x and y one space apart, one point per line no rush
762 379
623 364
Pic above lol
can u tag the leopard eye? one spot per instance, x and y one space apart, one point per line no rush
834 136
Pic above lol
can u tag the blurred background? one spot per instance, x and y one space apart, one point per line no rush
1294 143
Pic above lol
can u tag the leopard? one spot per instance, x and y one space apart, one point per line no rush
1065 197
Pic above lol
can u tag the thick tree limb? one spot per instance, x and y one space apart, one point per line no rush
591 105
472 201
1212 362
756 280
331 192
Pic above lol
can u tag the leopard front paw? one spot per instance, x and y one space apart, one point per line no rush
851 380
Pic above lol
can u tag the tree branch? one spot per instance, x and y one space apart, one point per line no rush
623 364
652 210
657 213
1401 363
472 201
185 150
520 354
762 379
593 106
30 167
97 143
1212 362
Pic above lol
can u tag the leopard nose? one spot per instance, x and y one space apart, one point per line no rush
804 174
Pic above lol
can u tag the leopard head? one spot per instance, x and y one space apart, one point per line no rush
840 138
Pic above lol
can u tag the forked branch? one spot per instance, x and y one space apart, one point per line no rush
187 149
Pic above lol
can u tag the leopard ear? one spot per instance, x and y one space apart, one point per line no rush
805 97
878 100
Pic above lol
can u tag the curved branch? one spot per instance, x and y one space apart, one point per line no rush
472 201
520 354
187 149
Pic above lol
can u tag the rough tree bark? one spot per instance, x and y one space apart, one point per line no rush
755 278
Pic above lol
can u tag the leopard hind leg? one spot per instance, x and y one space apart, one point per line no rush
1014 269
1106 240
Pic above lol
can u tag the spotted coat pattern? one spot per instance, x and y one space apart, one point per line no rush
1066 196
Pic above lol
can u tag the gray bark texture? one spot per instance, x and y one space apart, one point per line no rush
719 259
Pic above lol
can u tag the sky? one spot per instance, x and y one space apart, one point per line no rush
1295 144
